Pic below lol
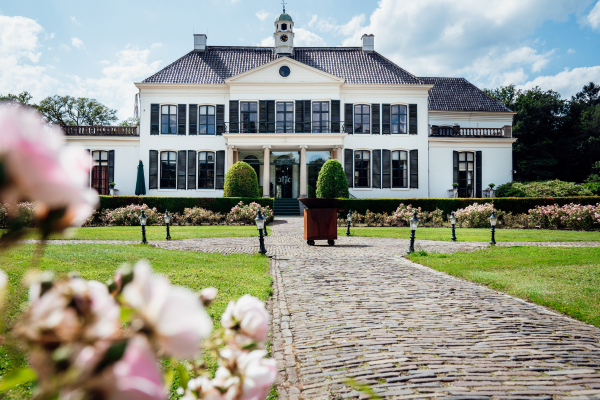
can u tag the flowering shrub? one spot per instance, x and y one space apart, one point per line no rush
199 216
130 216
22 213
476 215
245 214
570 216
553 188
403 214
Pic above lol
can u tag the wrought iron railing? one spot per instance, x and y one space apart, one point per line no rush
78 130
282 128
458 131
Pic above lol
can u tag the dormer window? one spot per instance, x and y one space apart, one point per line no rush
284 27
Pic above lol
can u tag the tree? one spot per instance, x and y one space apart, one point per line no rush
506 95
332 182
67 110
241 181
23 98
130 122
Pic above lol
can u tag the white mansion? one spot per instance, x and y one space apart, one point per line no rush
286 110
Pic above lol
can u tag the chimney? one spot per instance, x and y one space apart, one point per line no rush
199 42
368 43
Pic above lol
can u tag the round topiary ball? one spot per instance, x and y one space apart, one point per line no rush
241 181
332 182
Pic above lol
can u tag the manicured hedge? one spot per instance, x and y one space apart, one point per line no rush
176 204
516 205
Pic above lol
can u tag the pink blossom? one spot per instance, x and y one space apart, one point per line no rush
208 295
259 374
251 316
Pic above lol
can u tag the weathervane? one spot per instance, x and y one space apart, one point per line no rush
283 3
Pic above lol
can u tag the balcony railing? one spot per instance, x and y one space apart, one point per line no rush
282 127
78 130
458 131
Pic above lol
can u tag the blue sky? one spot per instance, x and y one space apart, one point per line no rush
97 49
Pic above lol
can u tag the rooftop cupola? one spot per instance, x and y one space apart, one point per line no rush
284 33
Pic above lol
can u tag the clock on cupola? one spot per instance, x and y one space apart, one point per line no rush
284 34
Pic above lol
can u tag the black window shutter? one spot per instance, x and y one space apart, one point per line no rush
412 119
455 167
307 116
181 169
348 166
181 119
270 116
478 176
376 169
234 116
386 166
375 127
193 119
191 170
349 118
262 116
220 120
335 116
154 119
414 169
299 116
386 119
111 166
153 170
220 167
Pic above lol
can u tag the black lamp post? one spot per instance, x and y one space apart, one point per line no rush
167 218
453 222
143 219
493 220
265 229
414 223
260 224
349 222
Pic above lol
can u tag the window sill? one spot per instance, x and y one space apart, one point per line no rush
167 190
365 188
207 190
400 189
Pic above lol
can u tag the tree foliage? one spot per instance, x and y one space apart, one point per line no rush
67 110
332 182
241 181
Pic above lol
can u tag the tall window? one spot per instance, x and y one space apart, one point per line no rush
320 117
169 119
399 169
362 118
285 117
206 124
466 175
206 170
249 117
168 170
398 119
100 171
362 170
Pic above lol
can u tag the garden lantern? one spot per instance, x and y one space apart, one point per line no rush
349 222
414 223
167 218
493 221
143 219
453 222
260 225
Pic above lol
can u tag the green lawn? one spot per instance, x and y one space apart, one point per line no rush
233 275
153 232
476 235
563 278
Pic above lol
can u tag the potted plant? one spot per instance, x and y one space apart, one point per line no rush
455 190
492 191
111 188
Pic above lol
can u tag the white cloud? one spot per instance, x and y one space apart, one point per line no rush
567 82
155 45
269 41
104 62
262 15
306 38
78 43
65 47
75 21
593 18
49 36
571 51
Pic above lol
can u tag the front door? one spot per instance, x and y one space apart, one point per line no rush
283 181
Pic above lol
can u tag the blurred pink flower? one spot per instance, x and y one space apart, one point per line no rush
251 316
208 295
258 373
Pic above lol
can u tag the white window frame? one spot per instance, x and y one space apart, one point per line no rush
407 170
160 189
391 123
293 113
92 164
197 171
160 114
370 187
240 101
198 119
329 112
370 118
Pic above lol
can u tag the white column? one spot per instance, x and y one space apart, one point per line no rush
229 156
267 171
303 180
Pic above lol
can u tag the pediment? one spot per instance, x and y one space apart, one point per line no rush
269 73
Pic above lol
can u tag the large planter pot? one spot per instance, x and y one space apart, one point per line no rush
320 220
455 193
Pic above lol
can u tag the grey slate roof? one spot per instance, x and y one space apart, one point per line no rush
218 63
458 94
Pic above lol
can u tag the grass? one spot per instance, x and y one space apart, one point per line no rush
563 278
152 232
233 275
475 235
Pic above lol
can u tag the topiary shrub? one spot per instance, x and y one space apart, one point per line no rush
332 182
241 181
509 190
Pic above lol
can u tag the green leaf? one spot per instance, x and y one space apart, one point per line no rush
184 376
168 378
17 377
113 354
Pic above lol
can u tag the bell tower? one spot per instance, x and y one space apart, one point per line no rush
284 33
